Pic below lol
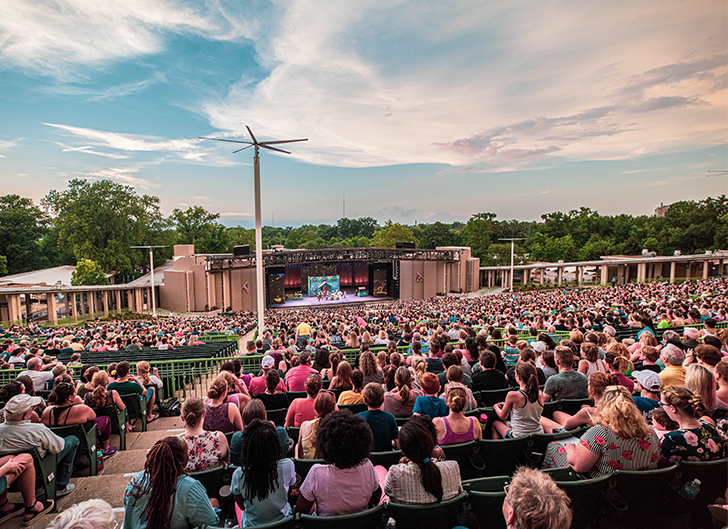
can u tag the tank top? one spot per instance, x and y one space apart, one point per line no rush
526 420
452 437
204 452
308 444
217 419
57 412
594 367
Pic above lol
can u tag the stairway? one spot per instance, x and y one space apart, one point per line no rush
118 470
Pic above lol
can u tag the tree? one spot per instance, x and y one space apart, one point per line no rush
51 252
3 265
392 233
500 255
22 224
101 220
197 226
434 235
88 272
477 234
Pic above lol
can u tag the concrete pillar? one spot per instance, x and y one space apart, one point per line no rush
91 303
75 306
672 271
526 278
579 275
15 310
117 294
106 303
138 300
65 302
706 268
541 272
52 308
560 274
641 272
604 279
688 272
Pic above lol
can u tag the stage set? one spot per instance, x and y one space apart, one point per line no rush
329 284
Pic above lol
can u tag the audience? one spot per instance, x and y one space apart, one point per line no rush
206 450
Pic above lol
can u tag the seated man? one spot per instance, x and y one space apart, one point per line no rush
568 384
257 384
19 433
488 378
382 423
41 374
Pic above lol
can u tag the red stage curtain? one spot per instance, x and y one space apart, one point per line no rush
293 276
345 275
361 274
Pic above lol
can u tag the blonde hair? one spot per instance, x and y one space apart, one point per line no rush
537 501
368 364
701 381
142 369
648 339
90 513
98 396
619 349
616 410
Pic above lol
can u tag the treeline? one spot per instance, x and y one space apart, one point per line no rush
96 223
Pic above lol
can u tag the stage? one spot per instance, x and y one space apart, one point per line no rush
313 303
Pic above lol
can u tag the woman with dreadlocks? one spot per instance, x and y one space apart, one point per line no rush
260 486
163 496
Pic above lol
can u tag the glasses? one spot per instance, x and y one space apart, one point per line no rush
506 487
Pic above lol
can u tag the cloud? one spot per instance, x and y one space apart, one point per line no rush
235 214
123 175
1 156
69 38
99 94
7 144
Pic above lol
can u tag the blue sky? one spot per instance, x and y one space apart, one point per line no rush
416 111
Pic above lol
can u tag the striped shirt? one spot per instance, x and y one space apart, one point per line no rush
404 483
617 453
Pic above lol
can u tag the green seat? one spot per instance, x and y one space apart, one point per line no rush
292 395
585 494
485 499
401 421
635 496
370 519
487 398
385 459
441 515
45 470
468 458
572 406
304 465
502 456
293 432
353 408
118 422
278 417
713 476
211 480
87 437
136 408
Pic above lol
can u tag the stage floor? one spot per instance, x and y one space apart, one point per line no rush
313 303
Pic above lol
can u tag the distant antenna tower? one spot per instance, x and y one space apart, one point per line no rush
260 292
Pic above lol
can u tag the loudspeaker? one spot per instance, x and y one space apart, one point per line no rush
241 250
405 245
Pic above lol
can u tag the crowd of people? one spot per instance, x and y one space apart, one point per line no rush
660 396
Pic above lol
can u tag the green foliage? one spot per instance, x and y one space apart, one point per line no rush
391 233
434 235
88 272
499 254
100 221
3 265
22 224
198 226
477 234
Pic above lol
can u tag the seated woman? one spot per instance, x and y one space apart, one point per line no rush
303 409
562 421
306 448
523 507
454 377
701 382
19 470
420 477
147 379
237 393
619 440
207 450
63 412
272 398
524 406
344 441
456 427
401 400
220 415
695 440
126 384
163 495
342 378
100 396
590 362
370 369
260 486
354 395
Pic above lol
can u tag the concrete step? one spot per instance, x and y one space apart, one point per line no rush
146 440
126 462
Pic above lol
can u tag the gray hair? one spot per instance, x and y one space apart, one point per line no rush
670 335
90 514
673 355
691 333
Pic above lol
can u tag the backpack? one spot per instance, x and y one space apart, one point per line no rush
170 408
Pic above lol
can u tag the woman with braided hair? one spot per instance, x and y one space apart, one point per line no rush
260 486
696 440
420 477
163 496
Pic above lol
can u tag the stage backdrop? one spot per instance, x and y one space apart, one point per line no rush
316 283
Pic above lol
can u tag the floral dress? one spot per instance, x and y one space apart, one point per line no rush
204 452
615 452
696 444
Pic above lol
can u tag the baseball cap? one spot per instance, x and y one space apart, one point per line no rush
538 346
649 380
267 362
19 404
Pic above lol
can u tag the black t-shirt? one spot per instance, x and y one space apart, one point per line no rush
489 379
639 366
434 365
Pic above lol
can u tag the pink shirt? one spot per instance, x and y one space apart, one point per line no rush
299 411
257 385
296 377
339 491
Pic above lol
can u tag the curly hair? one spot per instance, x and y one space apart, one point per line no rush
313 384
166 461
537 501
368 364
616 410
143 372
344 439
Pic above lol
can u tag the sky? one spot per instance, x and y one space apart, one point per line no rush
414 111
